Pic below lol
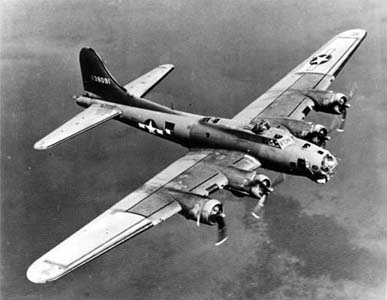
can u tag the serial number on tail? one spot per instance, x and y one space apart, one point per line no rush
100 79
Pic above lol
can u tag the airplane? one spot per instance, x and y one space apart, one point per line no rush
246 155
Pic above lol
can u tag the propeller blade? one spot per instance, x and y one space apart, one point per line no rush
199 214
336 121
277 180
353 91
258 209
222 229
342 121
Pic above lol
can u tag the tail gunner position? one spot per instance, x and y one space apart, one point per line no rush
247 155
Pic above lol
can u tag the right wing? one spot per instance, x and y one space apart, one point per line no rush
87 119
285 98
196 174
142 85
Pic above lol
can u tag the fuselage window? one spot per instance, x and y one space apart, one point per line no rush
303 164
306 110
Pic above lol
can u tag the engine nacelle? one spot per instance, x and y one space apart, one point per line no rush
203 210
247 182
328 101
309 131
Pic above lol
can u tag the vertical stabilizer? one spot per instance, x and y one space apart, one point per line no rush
98 80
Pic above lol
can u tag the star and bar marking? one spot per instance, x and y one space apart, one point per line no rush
151 126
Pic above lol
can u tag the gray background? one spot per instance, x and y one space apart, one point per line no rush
316 242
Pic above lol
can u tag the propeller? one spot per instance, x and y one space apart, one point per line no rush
222 229
342 119
218 217
258 209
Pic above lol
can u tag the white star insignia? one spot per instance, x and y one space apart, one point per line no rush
320 59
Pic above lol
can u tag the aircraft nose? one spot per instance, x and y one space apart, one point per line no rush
329 163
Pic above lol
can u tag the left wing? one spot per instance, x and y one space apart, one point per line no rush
197 174
146 82
317 72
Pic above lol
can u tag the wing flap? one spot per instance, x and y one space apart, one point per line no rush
85 120
146 82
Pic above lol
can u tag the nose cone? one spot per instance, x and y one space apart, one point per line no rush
331 163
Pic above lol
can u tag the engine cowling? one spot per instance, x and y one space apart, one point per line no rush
328 101
247 182
203 210
317 134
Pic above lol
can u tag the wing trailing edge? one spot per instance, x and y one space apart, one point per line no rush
85 120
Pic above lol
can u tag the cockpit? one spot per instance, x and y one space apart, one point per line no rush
261 127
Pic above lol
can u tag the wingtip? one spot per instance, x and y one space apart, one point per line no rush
42 272
167 66
40 145
33 276
357 33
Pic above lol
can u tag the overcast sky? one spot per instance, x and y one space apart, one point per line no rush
316 242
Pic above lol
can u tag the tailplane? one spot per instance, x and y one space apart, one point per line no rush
99 83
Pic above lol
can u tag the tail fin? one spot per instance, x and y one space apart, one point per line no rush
98 80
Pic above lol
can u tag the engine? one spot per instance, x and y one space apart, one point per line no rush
309 131
247 183
202 210
328 101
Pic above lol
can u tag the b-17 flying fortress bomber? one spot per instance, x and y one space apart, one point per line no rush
247 155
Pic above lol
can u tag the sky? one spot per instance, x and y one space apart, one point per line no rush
315 242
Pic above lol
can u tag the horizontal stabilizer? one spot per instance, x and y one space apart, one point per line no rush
85 120
146 82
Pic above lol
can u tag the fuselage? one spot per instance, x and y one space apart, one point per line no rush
276 148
